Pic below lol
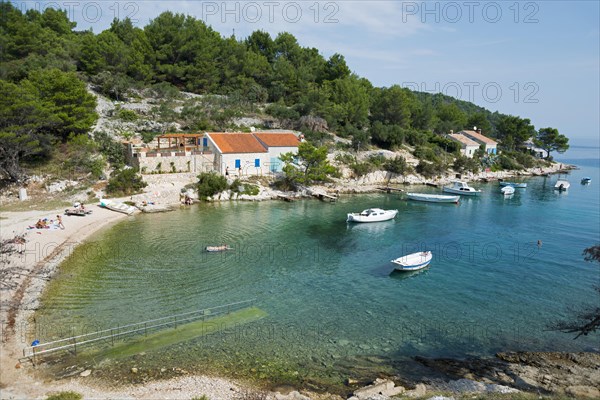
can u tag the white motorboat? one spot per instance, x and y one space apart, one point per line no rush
518 185
562 185
414 261
507 190
372 215
433 198
463 188
214 249
117 206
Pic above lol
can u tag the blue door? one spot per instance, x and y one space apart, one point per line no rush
205 142
257 162
238 163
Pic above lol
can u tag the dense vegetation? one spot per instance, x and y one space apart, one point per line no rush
125 182
47 65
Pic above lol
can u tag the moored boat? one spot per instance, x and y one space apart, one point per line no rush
507 190
459 187
414 261
518 185
586 180
562 185
372 215
433 198
117 206
77 211
213 249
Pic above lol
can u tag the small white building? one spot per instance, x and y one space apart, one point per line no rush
467 146
491 146
254 153
534 150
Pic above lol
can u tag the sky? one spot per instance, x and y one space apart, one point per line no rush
536 59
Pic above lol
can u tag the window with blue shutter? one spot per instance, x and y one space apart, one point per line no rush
257 162
238 163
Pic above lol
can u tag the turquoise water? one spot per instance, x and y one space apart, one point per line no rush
328 287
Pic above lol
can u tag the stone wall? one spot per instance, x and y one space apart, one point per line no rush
187 162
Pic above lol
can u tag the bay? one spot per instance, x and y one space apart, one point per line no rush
332 297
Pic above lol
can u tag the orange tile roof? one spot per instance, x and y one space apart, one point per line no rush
463 139
276 139
479 136
179 135
237 143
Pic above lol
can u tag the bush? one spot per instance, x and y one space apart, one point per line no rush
165 90
81 156
526 160
397 165
235 186
251 190
425 153
507 163
316 137
147 137
360 169
280 111
125 182
111 149
429 170
378 160
462 163
127 115
70 395
210 183
345 158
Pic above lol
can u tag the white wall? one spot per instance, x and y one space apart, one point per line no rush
468 151
247 163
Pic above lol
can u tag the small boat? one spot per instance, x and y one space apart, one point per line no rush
586 181
213 249
433 198
372 215
507 190
562 185
459 187
117 206
518 185
77 211
414 261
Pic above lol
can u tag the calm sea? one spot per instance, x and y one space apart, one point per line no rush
335 306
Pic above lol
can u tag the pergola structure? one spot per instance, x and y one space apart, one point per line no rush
180 141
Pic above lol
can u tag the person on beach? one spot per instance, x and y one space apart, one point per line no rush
59 222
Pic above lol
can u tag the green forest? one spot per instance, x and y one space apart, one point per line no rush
46 111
